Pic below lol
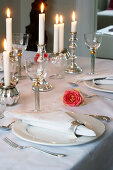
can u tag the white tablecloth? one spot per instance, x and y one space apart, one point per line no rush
97 155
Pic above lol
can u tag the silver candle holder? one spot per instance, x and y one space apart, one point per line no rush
10 93
72 66
44 85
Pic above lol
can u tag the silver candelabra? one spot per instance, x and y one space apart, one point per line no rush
44 85
72 66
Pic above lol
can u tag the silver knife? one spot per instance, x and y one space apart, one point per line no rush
106 118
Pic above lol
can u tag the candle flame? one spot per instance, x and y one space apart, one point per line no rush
61 19
42 7
56 18
73 16
8 12
5 45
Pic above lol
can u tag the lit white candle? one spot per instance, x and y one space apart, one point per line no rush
56 36
6 64
9 31
61 34
73 23
42 26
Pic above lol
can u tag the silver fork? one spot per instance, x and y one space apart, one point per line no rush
15 145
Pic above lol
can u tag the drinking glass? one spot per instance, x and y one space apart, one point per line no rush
2 106
93 42
20 42
58 64
13 61
36 70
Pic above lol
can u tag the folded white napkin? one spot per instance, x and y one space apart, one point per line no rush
91 77
84 131
100 81
57 121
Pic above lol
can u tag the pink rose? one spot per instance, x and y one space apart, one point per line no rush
36 57
73 98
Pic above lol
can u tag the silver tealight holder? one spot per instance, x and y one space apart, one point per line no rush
44 85
72 66
10 93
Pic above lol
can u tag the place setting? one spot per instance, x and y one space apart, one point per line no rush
49 130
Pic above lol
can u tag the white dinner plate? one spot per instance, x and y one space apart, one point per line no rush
54 138
103 87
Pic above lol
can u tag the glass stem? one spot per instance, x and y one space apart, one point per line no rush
37 96
12 73
19 63
92 61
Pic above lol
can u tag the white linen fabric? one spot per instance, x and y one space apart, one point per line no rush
50 120
96 155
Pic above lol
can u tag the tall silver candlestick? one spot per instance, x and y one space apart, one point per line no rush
44 85
72 66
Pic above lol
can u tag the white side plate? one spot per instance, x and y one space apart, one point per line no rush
105 88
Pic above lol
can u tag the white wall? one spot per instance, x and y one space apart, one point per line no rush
64 7
14 5
24 14
102 4
86 14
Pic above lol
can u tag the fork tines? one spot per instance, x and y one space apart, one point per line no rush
11 143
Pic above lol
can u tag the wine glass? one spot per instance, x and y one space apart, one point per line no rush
2 106
36 70
20 42
13 61
93 42
58 66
